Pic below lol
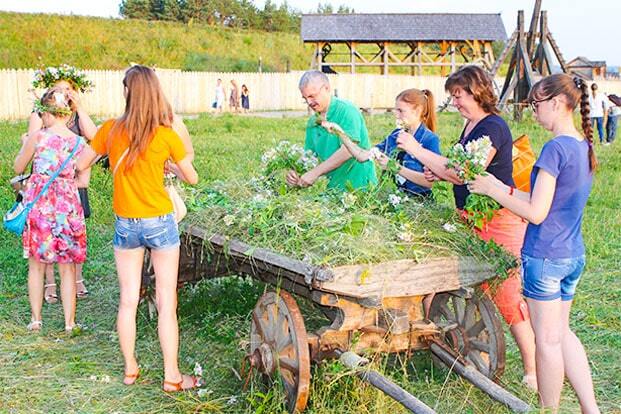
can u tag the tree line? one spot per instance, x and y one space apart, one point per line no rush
228 13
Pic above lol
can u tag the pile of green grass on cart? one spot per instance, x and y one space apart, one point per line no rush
328 227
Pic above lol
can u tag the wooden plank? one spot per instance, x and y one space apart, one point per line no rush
264 258
504 53
406 277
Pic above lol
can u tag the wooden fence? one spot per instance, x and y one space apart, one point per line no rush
194 92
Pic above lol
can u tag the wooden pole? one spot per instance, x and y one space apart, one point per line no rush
452 52
355 362
479 380
385 58
352 51
419 57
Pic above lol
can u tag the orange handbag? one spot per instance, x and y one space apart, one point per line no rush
523 162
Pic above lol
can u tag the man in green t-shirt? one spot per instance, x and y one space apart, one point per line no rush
336 162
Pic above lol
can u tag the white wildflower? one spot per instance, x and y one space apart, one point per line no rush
93 378
449 227
400 124
229 219
480 149
375 153
394 199
232 400
105 379
203 392
405 236
268 156
349 199
198 370
53 71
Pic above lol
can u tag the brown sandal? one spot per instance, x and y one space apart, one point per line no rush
130 377
178 386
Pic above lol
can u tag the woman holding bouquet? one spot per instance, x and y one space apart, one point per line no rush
553 253
473 96
415 111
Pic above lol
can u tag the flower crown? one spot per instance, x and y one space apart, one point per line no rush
48 77
60 107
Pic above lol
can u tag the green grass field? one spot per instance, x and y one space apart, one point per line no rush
53 373
28 40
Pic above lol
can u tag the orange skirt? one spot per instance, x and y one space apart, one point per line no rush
507 230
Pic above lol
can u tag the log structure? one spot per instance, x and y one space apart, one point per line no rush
531 59
415 41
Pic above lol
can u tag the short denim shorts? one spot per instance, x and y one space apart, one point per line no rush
550 279
153 233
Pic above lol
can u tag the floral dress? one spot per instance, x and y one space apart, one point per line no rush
55 230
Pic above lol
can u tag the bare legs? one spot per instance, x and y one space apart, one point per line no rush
558 353
129 268
51 283
36 271
525 339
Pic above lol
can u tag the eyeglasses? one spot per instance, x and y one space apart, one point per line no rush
534 104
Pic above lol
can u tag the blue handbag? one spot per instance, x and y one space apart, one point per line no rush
15 219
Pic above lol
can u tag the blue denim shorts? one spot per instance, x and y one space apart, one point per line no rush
153 233
550 279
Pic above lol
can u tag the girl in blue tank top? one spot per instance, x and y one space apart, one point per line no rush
553 252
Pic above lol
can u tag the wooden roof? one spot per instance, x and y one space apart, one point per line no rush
402 27
581 61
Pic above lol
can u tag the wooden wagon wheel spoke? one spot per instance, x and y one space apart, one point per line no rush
279 345
480 345
470 315
289 364
476 329
458 306
479 362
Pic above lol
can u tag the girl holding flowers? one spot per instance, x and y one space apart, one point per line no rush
414 112
553 252
473 96
140 144
55 231
68 80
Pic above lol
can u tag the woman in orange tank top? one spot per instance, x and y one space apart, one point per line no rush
139 144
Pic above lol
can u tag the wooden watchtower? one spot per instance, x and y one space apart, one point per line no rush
531 59
389 41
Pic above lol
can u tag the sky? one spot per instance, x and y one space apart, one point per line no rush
581 28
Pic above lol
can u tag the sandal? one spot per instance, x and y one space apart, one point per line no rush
130 379
82 293
178 386
34 326
51 298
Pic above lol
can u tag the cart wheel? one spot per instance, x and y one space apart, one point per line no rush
472 329
278 341
147 284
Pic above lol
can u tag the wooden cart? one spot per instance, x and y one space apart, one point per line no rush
374 307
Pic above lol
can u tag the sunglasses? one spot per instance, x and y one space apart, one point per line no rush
534 104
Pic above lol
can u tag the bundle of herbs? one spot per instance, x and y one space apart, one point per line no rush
329 227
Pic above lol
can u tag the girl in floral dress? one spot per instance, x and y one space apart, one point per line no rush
55 230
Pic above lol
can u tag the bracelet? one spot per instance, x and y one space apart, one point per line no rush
511 189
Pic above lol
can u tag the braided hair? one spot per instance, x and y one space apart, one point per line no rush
576 91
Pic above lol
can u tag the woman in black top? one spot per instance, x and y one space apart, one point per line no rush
473 96
81 124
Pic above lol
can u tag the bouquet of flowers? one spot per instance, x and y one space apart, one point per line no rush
469 162
46 78
288 156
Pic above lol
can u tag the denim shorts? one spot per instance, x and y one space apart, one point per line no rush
153 233
550 279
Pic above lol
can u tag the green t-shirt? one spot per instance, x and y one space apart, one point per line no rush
324 144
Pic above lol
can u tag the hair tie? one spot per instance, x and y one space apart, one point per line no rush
578 82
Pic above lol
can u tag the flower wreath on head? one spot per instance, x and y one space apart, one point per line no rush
61 107
48 77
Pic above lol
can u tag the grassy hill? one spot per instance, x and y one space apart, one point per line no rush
32 40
